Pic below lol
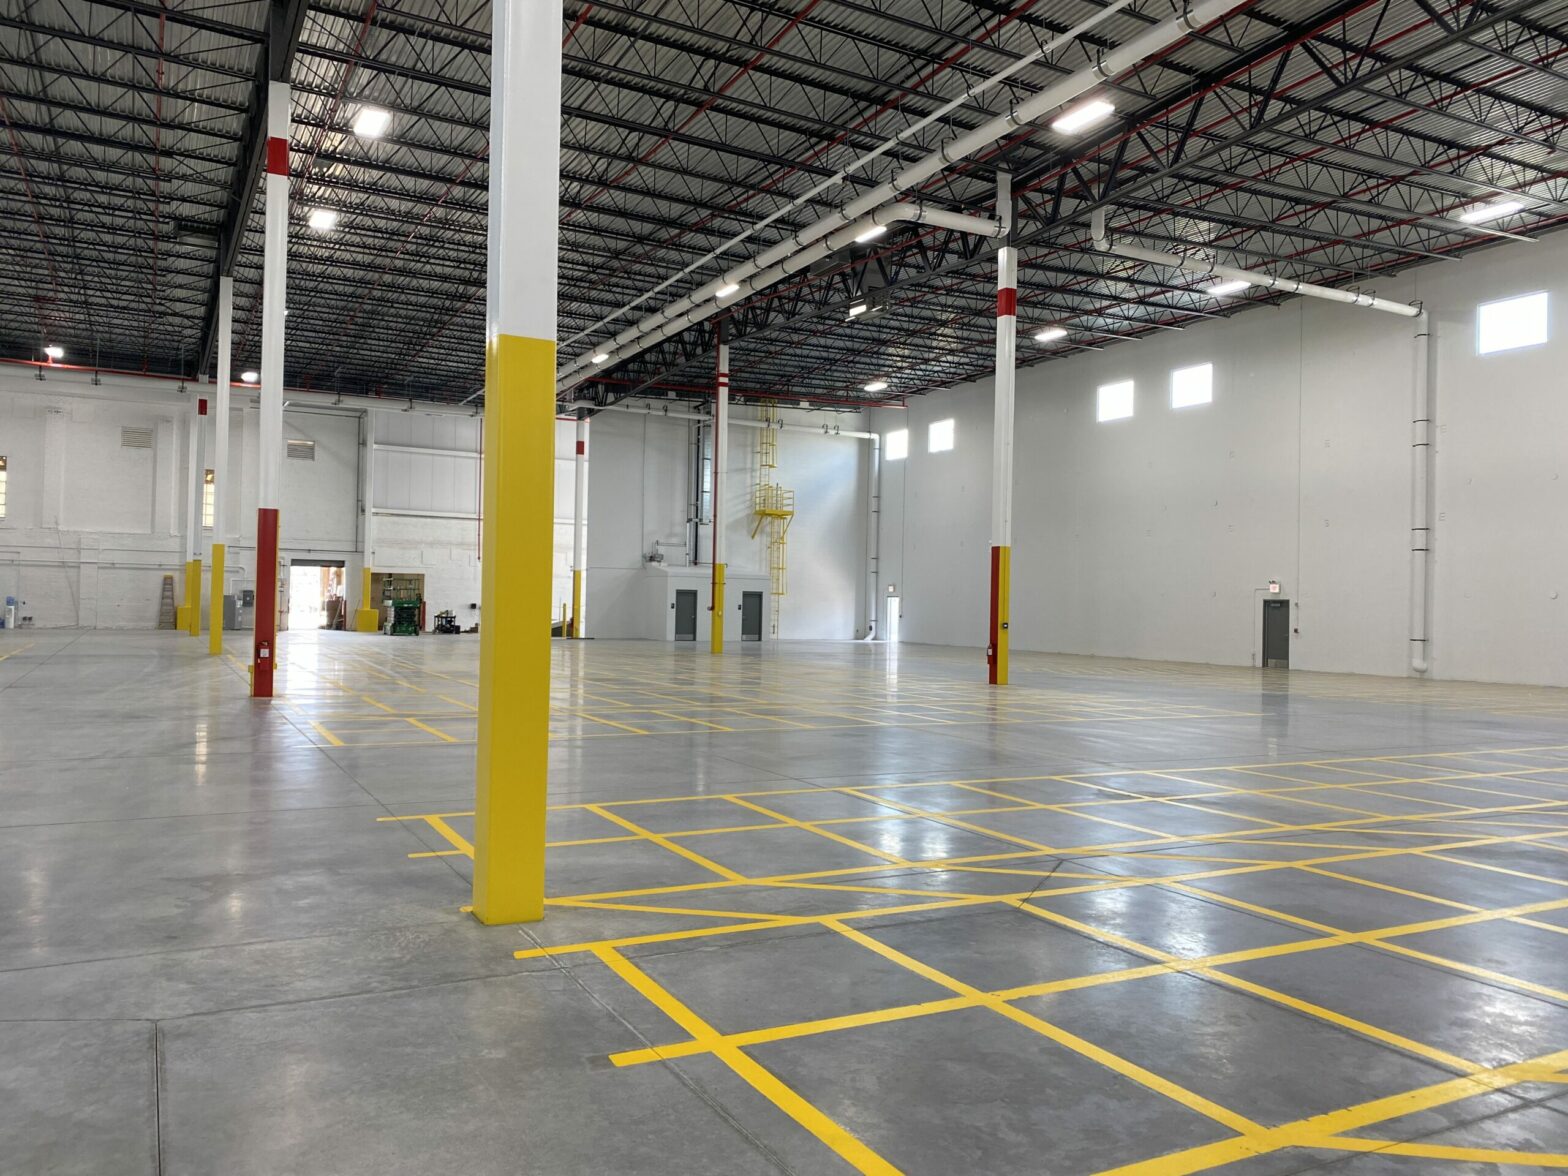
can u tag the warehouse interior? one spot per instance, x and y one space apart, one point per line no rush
783 586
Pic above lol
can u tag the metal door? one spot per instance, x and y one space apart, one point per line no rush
685 614
1276 634
751 616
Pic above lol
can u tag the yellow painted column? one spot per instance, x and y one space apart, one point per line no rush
998 635
716 633
518 547
368 617
577 603
182 613
215 615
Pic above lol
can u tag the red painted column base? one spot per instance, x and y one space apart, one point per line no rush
264 654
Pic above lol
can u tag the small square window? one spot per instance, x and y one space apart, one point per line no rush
1192 385
939 438
898 445
1114 402
1511 323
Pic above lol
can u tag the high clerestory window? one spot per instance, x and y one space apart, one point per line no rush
940 435
2 487
1113 402
1510 323
1192 385
898 445
207 484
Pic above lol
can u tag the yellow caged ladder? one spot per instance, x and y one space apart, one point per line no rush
773 507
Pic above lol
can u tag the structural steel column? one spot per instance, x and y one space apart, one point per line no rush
580 523
721 437
220 464
1002 434
519 462
368 618
274 285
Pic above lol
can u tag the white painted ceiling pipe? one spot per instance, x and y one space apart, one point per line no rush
735 422
691 310
699 304
1197 265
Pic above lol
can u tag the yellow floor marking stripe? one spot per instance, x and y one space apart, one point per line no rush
327 735
891 858
638 940
663 842
429 853
845 1145
441 735
1432 1151
608 722
1147 1078
1303 1132
454 838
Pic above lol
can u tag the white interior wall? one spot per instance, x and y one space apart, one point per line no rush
640 498
1147 537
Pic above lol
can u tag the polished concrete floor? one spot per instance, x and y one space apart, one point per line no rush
815 910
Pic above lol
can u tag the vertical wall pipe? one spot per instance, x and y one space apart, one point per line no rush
721 436
220 464
1421 407
873 535
269 465
1002 438
579 522
517 565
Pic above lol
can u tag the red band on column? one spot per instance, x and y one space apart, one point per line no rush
278 156
582 447
265 650
1006 302
201 406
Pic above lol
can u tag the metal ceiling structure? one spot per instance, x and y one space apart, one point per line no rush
1332 142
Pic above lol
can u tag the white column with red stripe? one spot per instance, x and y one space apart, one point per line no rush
1002 440
580 524
721 430
274 282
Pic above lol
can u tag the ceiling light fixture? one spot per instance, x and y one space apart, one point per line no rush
249 377
871 234
1081 118
1480 213
858 309
1050 334
877 386
726 291
1220 289
601 356
54 353
372 122
323 220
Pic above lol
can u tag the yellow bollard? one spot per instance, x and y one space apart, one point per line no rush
368 618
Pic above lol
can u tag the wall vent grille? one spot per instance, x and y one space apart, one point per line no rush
302 450
135 437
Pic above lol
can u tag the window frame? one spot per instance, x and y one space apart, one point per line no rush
952 435
887 444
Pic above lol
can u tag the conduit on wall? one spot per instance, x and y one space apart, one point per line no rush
1420 497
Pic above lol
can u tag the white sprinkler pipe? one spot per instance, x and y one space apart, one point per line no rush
700 303
1421 405
1197 265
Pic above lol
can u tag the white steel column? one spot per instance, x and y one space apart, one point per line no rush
1002 436
580 522
721 438
220 464
518 548
274 287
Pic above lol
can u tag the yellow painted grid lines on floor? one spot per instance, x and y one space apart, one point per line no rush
1479 810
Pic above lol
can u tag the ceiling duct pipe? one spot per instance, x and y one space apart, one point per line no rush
699 304
1197 265
746 279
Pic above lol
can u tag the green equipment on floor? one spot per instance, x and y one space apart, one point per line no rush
400 596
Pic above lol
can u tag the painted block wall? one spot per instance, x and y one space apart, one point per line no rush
640 498
1147 537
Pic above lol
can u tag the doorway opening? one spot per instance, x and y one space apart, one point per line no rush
1276 634
315 595
890 621
751 616
685 614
